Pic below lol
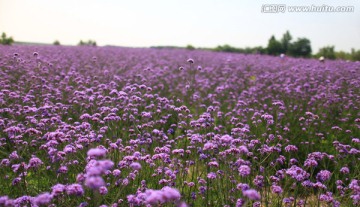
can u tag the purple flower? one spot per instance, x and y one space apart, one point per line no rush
211 176
323 175
276 189
94 182
242 186
240 202
297 173
326 197
288 200
310 162
257 204
171 193
96 152
35 162
182 204
75 189
345 170
14 155
244 170
62 169
259 181
103 190
252 194
116 172
57 189
16 181
135 166
226 139
42 199
166 194
291 148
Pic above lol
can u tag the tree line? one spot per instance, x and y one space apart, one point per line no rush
298 48
5 40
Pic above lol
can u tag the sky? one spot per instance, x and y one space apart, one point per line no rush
201 23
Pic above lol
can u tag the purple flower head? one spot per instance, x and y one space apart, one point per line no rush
105 164
63 169
297 173
96 152
291 148
57 189
213 164
182 204
345 170
135 166
257 204
323 175
244 170
14 155
42 199
166 194
242 186
23 200
103 190
326 197
259 181
94 182
75 189
171 194
310 163
154 197
276 189
209 146
252 194
211 176
226 139
35 162
116 172
288 201
240 202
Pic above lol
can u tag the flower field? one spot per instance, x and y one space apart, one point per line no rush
111 126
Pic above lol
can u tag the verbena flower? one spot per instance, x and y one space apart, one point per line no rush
323 175
252 194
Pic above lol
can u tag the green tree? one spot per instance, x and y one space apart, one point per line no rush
286 42
190 47
56 42
91 43
227 48
343 55
274 47
301 48
6 40
355 55
327 52
258 50
88 43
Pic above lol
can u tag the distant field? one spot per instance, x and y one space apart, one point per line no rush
109 126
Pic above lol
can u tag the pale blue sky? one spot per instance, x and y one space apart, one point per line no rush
202 23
